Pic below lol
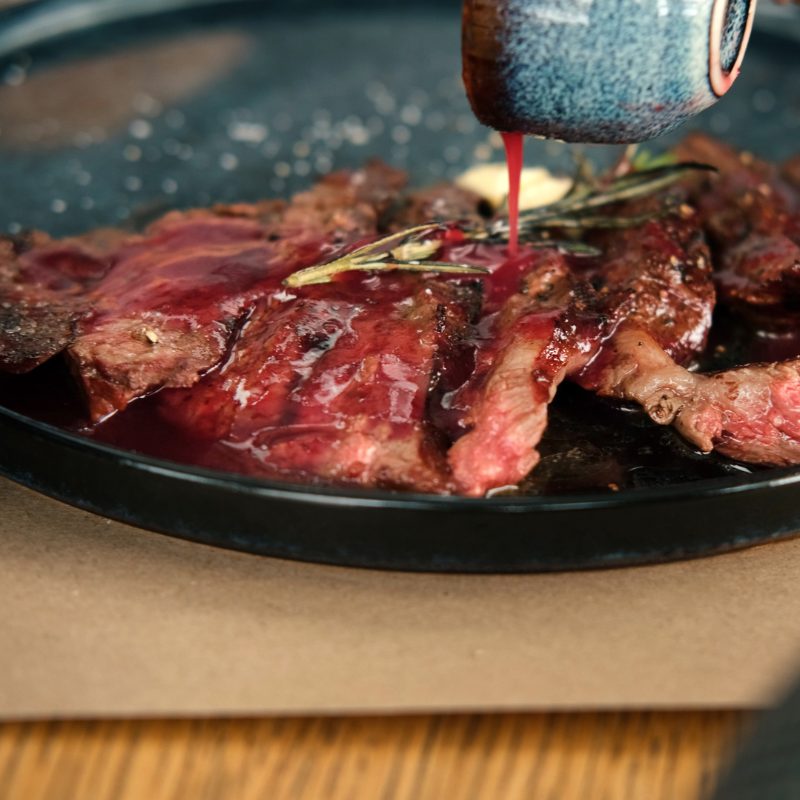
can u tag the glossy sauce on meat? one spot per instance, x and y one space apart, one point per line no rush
333 382
590 444
402 381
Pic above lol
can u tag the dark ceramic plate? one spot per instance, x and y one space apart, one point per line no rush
114 111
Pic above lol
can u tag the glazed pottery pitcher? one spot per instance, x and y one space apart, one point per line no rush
607 71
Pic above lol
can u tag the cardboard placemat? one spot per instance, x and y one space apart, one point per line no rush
101 619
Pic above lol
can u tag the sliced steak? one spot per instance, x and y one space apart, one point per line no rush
763 274
332 383
751 413
532 343
656 277
751 213
165 314
760 273
43 292
746 196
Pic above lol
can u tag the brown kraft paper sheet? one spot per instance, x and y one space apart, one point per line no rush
101 619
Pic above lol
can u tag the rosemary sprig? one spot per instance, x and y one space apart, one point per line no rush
402 250
644 160
597 222
577 209
584 182
412 249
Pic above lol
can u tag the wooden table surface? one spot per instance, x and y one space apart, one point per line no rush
607 756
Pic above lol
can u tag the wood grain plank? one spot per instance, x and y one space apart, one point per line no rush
589 756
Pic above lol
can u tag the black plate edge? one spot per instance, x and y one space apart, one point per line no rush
471 537
386 499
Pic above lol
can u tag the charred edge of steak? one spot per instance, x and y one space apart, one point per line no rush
659 278
750 213
441 203
44 292
760 277
33 330
128 358
22 242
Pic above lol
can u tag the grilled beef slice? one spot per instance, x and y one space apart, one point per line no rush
746 195
656 278
167 310
44 288
751 214
536 338
332 383
557 326
751 413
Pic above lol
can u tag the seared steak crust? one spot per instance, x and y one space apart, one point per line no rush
658 278
751 214
44 288
34 326
746 196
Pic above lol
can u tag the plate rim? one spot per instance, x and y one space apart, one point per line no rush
378 498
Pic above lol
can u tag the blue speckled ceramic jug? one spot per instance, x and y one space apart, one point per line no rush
605 71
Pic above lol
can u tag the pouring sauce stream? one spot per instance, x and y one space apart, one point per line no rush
514 143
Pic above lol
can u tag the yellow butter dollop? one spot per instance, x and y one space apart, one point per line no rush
538 187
